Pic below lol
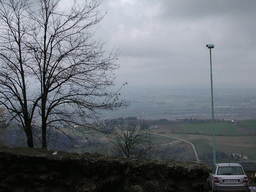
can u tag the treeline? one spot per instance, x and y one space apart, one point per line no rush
147 123
179 121
125 123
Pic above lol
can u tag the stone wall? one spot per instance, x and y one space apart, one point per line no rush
23 169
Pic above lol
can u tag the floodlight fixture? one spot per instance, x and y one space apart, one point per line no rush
210 46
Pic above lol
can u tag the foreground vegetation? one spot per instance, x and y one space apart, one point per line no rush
42 170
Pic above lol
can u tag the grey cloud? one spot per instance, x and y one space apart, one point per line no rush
166 39
204 8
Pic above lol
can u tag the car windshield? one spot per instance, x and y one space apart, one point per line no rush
230 171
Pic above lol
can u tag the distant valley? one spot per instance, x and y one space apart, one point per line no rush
179 103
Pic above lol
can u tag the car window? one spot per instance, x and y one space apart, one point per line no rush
230 171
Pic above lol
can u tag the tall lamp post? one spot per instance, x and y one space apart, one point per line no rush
211 46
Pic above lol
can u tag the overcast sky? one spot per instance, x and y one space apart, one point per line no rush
163 42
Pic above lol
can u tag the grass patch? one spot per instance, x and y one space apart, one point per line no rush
202 145
251 123
247 125
157 139
221 128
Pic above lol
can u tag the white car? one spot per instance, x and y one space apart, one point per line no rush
228 177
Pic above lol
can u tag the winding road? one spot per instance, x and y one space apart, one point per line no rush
192 145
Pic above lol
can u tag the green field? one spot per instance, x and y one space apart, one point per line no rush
221 128
250 123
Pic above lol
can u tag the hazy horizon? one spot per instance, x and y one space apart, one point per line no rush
179 102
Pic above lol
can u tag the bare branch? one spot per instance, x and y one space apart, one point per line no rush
50 65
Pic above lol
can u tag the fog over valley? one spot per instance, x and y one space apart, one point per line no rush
180 103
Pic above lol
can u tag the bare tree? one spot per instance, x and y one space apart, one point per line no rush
14 68
57 62
130 140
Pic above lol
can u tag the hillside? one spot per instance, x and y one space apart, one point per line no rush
235 141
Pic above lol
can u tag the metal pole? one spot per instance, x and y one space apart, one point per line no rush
149 145
213 128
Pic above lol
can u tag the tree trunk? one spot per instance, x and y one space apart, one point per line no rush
30 141
29 134
44 140
44 125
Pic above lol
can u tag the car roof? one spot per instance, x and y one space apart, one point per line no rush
228 164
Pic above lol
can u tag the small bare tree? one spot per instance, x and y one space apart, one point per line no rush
52 71
130 140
